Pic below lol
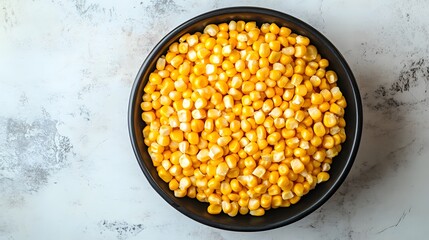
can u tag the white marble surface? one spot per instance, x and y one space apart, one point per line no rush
67 170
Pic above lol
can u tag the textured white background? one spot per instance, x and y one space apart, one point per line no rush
67 170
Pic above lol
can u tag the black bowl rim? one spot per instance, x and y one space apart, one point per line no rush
246 9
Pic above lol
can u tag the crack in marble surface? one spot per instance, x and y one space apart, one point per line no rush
404 214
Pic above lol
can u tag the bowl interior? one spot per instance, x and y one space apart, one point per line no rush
274 217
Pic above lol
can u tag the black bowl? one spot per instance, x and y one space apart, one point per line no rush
275 217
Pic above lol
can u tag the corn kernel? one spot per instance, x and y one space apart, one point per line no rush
322 177
297 166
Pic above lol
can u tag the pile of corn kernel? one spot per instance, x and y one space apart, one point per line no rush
242 117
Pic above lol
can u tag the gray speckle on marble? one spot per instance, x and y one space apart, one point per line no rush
122 229
160 8
29 153
414 74
83 8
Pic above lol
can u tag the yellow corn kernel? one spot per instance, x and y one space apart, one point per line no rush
302 40
342 102
176 61
264 50
317 98
276 201
286 195
262 73
319 155
279 123
180 193
260 189
193 137
185 183
291 123
297 166
301 90
213 137
294 200
331 76
284 31
234 209
243 210
160 63
322 177
163 140
273 138
274 189
273 177
297 102
255 96
192 192
328 142
275 45
299 69
319 129
164 175
223 141
311 53
216 152
300 51
173 184
254 204
329 119
246 101
247 87
211 29
259 171
185 161
247 111
323 63
235 185
268 106
296 79
213 113
334 108
276 112
257 212
203 155
184 116
298 189
146 106
234 146
249 162
315 113
299 152
283 182
336 93
231 161
148 117
327 96
274 57
266 201
261 132
214 209
209 125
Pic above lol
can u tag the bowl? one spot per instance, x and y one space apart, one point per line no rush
275 217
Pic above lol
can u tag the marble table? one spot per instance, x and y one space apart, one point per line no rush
67 170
